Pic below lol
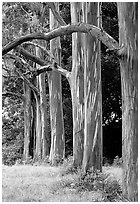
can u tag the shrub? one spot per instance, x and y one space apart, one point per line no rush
10 153
67 166
90 181
117 161
112 191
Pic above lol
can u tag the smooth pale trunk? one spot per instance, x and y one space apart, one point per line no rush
44 124
77 87
38 148
128 31
44 137
27 122
92 92
57 151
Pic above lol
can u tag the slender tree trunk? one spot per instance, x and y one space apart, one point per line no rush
77 86
27 122
92 92
38 148
43 110
33 124
44 124
57 151
128 31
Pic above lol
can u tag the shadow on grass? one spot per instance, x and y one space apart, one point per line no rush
92 181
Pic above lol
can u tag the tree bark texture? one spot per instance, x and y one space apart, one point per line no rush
44 123
77 86
57 151
43 110
92 91
110 42
27 121
38 147
128 31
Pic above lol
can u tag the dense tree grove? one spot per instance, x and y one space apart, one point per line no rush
69 87
111 98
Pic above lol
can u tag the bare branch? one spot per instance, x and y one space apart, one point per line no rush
110 42
42 48
22 61
43 63
28 82
42 70
31 56
62 71
56 14
24 9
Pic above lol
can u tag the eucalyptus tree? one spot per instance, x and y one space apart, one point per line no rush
77 86
57 151
128 39
92 91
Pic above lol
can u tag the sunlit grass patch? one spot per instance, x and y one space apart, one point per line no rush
26 183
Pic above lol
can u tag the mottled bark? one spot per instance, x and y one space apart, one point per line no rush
27 121
44 137
77 87
38 147
92 92
128 31
44 124
57 151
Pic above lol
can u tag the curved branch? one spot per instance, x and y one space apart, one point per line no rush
20 60
44 64
32 57
65 30
42 48
28 82
62 71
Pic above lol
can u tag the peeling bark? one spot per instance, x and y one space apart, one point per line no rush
27 122
111 43
43 111
38 147
128 31
57 151
77 87
92 92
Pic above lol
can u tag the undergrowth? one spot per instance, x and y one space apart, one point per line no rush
91 181
67 183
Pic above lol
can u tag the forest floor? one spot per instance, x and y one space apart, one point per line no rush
26 183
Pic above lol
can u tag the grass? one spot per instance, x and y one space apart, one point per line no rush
26 183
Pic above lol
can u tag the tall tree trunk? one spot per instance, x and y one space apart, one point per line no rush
57 151
43 110
128 31
92 92
33 123
27 121
38 147
44 124
77 86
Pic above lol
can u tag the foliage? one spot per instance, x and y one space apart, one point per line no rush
12 134
93 181
112 191
117 161
67 166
